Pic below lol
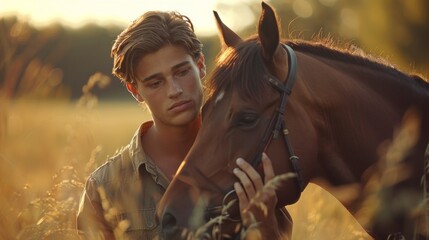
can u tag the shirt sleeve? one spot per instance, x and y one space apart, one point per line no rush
90 221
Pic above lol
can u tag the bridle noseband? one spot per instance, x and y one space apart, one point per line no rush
276 126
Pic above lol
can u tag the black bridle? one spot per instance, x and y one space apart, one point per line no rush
276 126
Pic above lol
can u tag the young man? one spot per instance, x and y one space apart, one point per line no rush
160 60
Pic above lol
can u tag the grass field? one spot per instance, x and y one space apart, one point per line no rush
48 148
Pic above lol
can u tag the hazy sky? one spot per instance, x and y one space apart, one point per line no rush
122 12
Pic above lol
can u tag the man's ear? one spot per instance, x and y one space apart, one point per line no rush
132 88
201 63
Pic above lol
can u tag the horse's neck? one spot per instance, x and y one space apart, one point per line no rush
391 92
371 79
361 108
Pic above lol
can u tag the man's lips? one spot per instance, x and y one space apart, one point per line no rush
179 104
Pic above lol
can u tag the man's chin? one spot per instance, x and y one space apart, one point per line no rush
184 118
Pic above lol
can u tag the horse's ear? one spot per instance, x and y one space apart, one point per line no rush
227 36
268 31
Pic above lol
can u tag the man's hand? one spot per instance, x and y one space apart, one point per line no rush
257 204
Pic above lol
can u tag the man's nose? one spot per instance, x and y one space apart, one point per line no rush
174 89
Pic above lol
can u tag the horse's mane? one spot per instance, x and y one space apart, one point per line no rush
236 66
352 54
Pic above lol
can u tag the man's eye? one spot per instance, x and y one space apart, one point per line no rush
183 72
155 83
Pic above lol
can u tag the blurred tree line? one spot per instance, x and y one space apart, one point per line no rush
393 29
57 61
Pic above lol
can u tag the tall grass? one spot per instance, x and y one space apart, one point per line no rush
48 151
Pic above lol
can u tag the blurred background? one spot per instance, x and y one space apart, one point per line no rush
62 112
73 39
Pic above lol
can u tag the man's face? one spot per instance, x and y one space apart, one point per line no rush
169 82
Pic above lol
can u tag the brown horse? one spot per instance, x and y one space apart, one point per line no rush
344 109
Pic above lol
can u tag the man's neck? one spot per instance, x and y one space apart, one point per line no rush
169 145
177 140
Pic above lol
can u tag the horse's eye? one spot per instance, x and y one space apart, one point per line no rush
247 120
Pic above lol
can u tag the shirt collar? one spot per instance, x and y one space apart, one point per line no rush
138 156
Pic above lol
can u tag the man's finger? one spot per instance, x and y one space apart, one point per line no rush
246 183
254 176
268 168
243 202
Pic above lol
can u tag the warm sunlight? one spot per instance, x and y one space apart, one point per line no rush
79 12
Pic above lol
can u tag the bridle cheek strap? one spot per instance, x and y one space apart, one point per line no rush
285 90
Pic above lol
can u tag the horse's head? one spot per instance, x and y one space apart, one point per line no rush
242 117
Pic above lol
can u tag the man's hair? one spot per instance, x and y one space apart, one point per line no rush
149 33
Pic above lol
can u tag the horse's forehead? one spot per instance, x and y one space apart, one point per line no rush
225 95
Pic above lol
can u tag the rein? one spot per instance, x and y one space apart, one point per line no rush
277 124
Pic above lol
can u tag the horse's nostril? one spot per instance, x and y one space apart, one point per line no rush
168 223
